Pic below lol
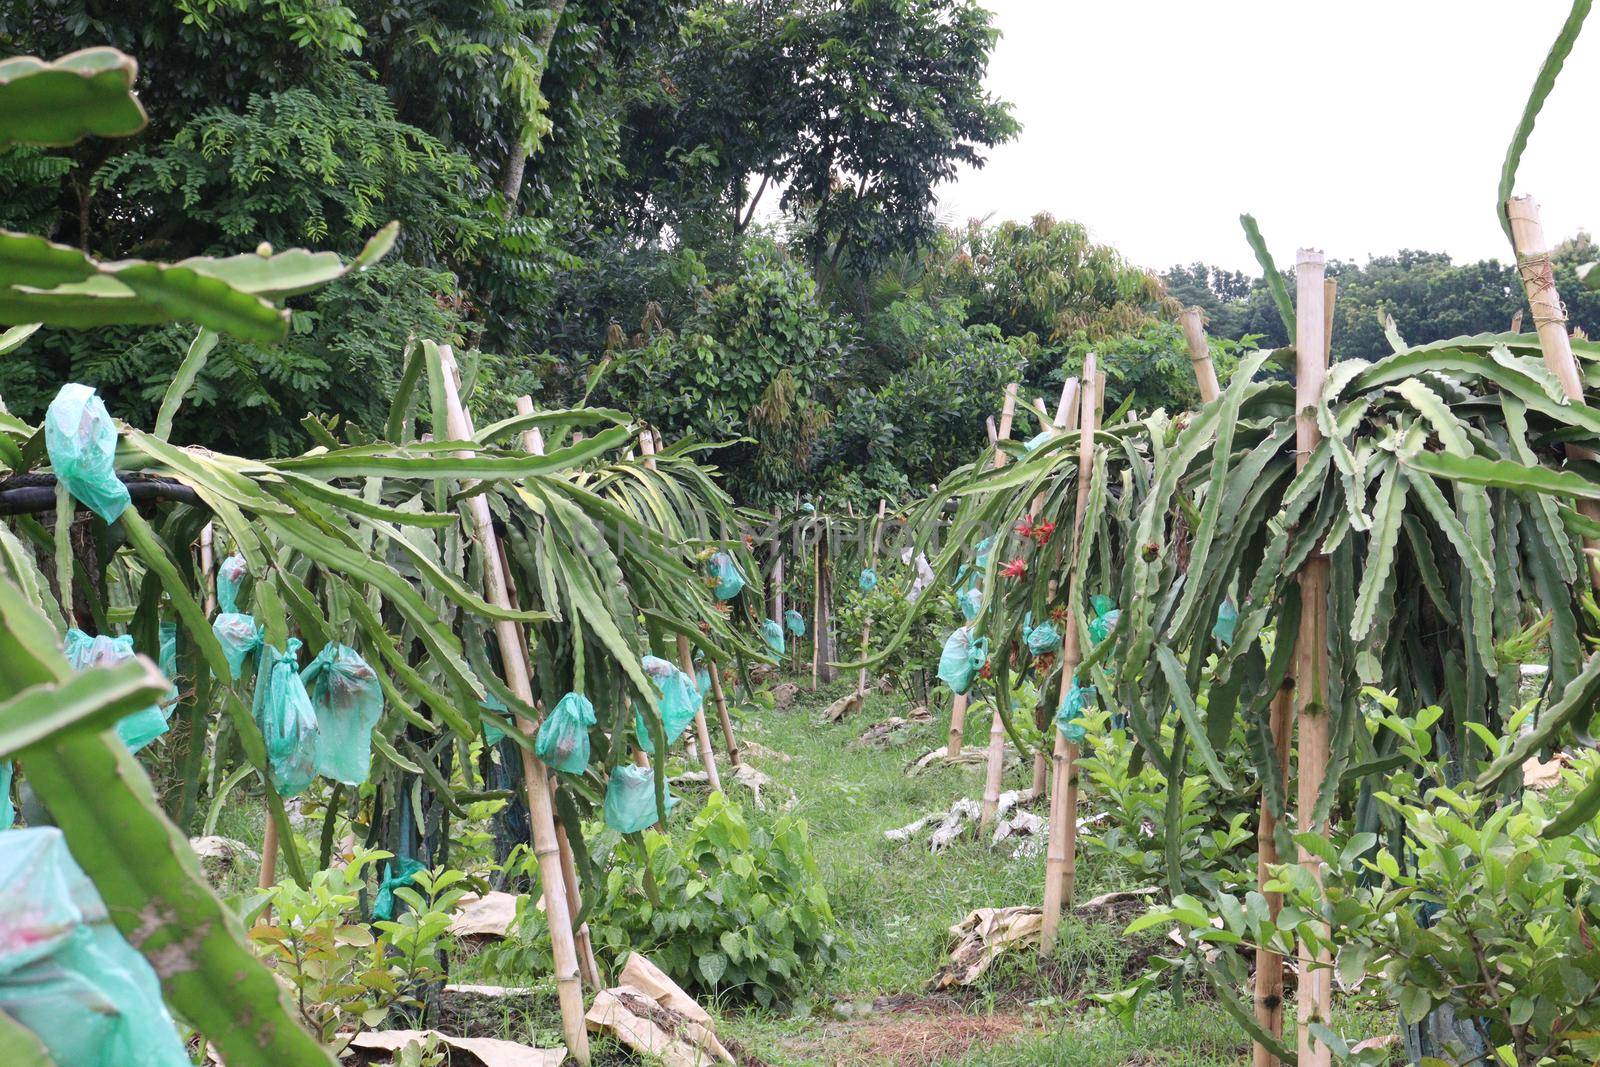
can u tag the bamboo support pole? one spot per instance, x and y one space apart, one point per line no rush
1313 1000
1061 858
1205 374
1550 321
816 613
207 567
1066 414
588 966
541 814
995 767
866 625
777 574
649 445
958 726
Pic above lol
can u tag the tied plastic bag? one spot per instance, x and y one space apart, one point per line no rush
1038 439
1042 638
563 741
8 812
702 676
230 576
137 729
963 657
1227 619
795 622
492 734
396 875
82 442
868 580
725 576
679 702
348 702
971 601
66 974
631 799
772 633
1105 618
1069 716
980 553
168 658
239 635
282 709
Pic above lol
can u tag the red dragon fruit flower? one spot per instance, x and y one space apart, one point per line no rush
1017 568
1041 533
1024 527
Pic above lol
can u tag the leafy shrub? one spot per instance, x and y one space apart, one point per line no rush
734 908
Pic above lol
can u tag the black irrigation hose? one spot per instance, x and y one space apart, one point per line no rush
29 494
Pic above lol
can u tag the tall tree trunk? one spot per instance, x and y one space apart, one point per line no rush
517 161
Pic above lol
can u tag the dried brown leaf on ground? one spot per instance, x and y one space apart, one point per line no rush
488 1051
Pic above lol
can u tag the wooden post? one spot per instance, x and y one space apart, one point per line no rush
1066 414
1314 998
866 625
649 445
1061 852
541 814
1550 320
588 967
994 772
1205 375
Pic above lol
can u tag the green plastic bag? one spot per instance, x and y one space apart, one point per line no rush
8 811
282 709
868 580
563 741
230 576
348 702
66 974
679 702
396 875
726 579
971 601
492 734
1105 618
239 635
631 799
1038 439
137 729
702 677
1227 619
81 440
963 657
980 553
773 634
1042 638
795 622
168 658
1069 716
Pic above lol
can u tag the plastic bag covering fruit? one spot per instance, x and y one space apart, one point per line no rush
1105 618
8 813
396 875
702 676
677 706
868 580
348 702
962 658
1038 439
82 442
283 711
563 741
773 634
65 972
1069 716
631 799
725 574
980 553
239 635
1042 638
795 622
971 601
492 734
229 577
139 728
1227 619
168 658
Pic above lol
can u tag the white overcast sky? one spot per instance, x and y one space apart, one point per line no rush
1359 127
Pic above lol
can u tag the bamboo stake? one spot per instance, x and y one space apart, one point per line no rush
866 625
816 613
1066 414
995 769
649 445
777 574
1205 374
1550 320
1061 860
958 727
207 561
588 967
541 815
1313 1001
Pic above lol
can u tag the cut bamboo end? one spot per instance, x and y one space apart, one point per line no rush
1205 374
958 727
